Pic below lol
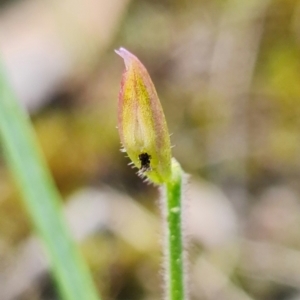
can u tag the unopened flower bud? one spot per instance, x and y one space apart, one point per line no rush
141 122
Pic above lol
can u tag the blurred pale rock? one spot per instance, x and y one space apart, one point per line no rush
211 218
275 218
45 44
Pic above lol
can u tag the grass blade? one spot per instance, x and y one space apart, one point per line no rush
41 198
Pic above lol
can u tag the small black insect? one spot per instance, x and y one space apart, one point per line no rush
145 162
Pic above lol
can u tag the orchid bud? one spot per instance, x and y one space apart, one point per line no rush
141 122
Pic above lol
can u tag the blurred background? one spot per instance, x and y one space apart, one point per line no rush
228 76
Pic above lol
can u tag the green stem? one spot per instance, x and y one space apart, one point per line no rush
175 249
41 198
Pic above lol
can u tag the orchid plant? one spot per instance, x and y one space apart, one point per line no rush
145 137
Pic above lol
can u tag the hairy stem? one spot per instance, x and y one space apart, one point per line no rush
175 258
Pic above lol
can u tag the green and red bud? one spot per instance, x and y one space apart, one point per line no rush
141 122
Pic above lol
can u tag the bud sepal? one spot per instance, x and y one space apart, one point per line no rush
141 122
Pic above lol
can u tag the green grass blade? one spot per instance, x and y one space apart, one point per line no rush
41 198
